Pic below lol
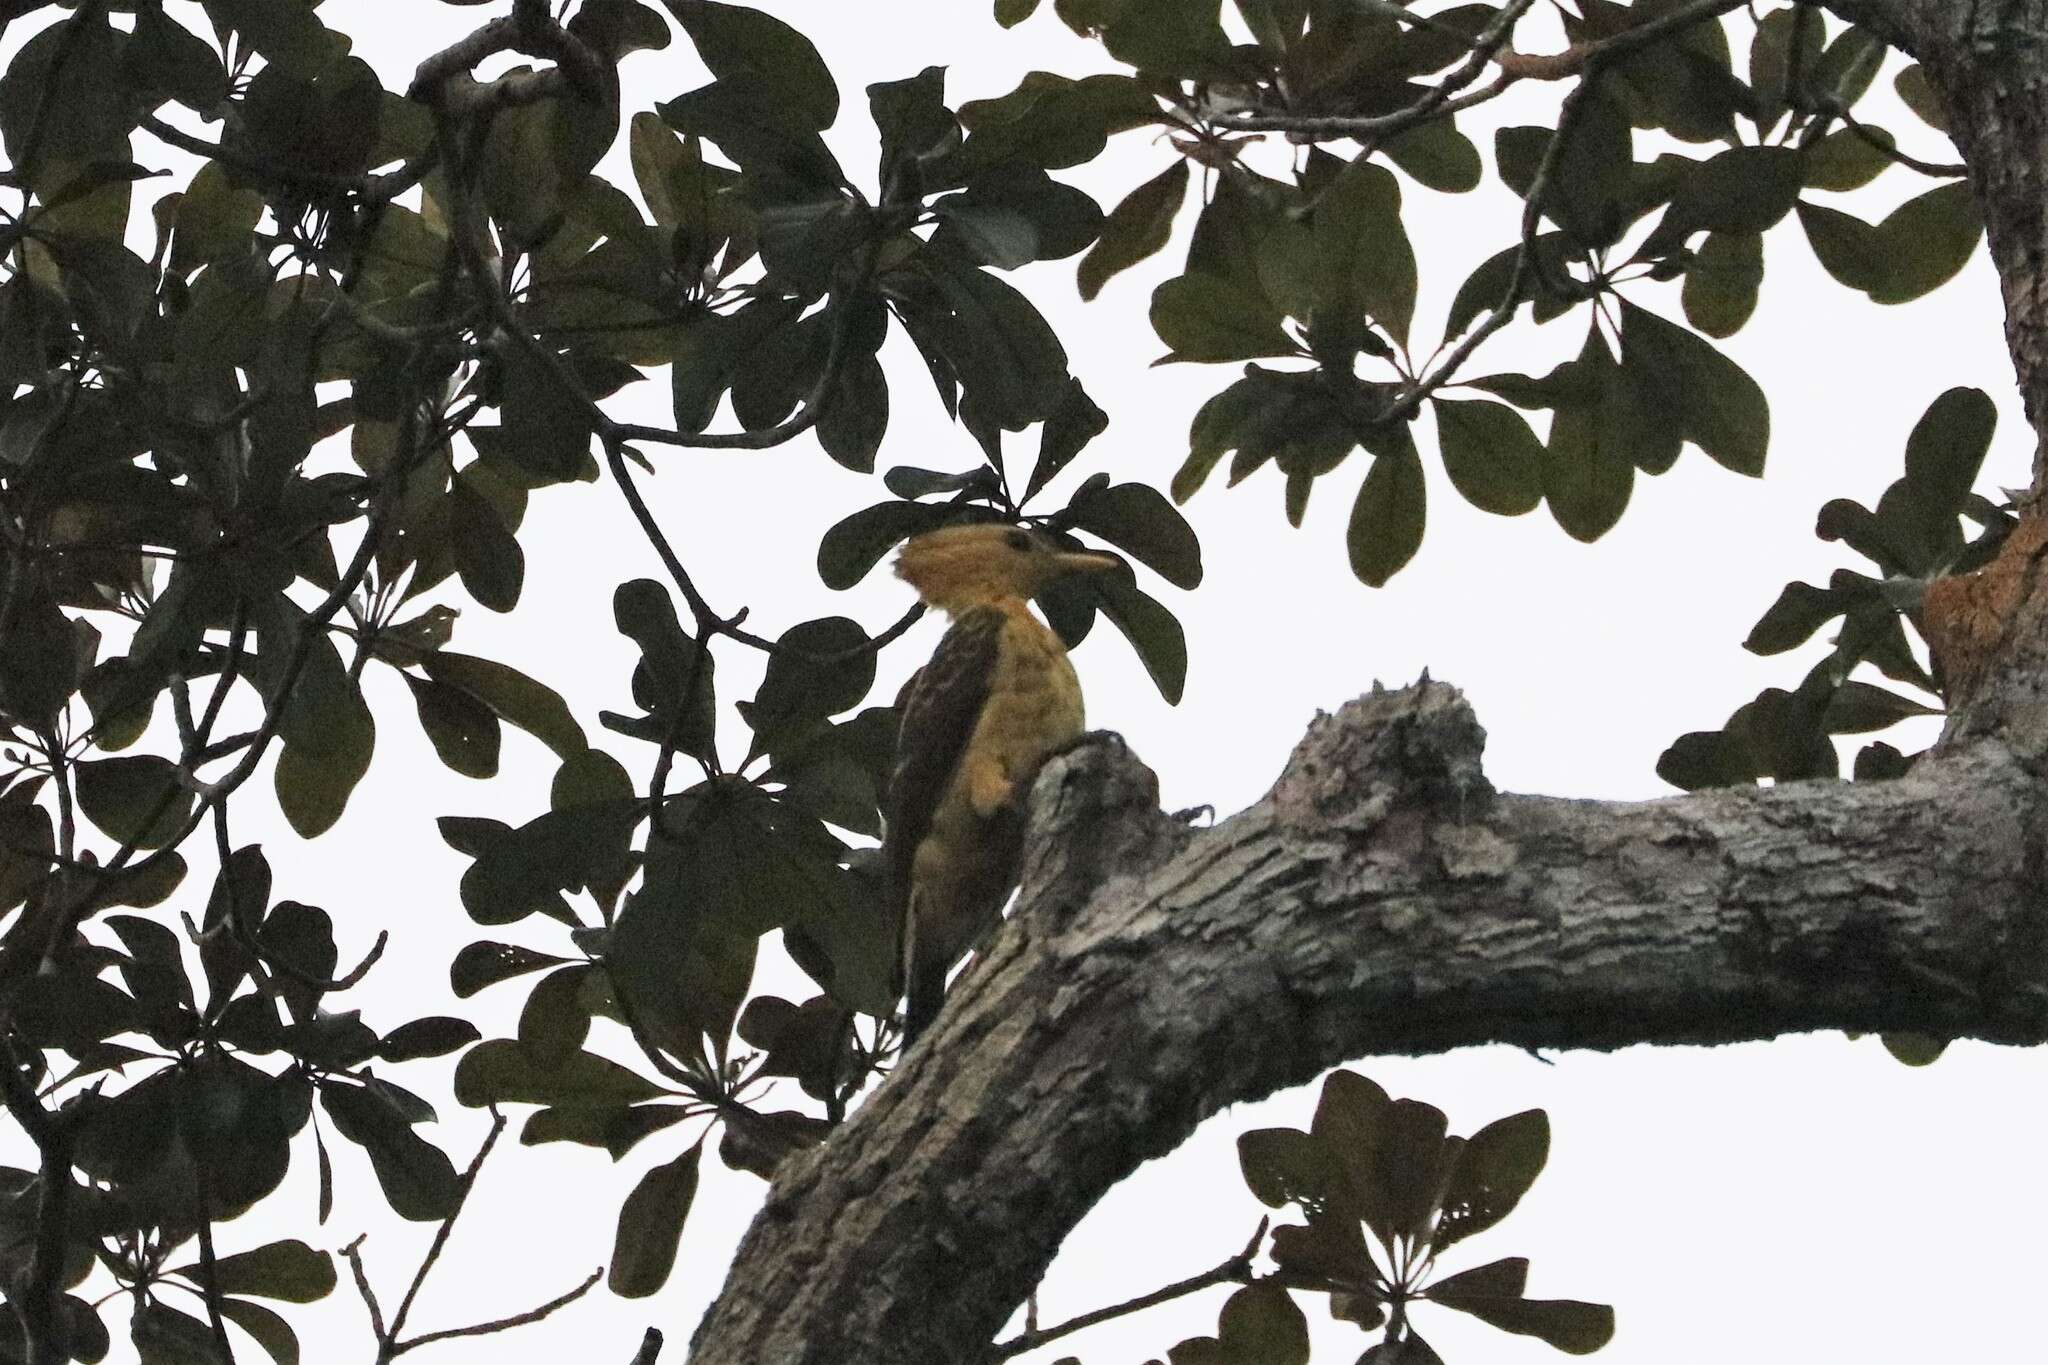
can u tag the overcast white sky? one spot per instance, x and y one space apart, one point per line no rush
1805 1199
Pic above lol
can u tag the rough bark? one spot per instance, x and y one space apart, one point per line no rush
1380 899
1989 61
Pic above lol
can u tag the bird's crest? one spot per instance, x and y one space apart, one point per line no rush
960 567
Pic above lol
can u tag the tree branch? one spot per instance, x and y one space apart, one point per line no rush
1381 899
42 1284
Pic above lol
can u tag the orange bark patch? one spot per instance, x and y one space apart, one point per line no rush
1965 619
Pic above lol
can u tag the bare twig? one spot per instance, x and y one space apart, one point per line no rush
1236 1270
388 1346
354 1252
531 1315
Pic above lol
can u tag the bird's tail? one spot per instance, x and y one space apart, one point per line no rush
924 980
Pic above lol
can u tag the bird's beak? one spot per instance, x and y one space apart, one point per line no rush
1083 561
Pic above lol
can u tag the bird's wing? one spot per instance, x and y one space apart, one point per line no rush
945 702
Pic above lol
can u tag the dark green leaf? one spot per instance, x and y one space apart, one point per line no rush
488 557
753 125
651 1226
1387 519
164 1336
618 1129
168 59
1286 1165
1720 408
1152 630
1847 247
486 963
1493 458
435 1036
915 124
1137 227
1722 282
1493 1294
1049 121
671 664
1262 1323
1846 69
733 39
1770 60
1204 318
1919 94
1914 1049
556 1020
1437 155
1881 762
1173 37
418 1180
464 731
137 799
857 543
1075 423
1364 261
1801 609
1138 519
514 697
1846 159
856 414
1741 190
503 1071
819 669
1927 239
1491 1173
1859 708
288 1270
214 219
1006 356
1947 448
270 1330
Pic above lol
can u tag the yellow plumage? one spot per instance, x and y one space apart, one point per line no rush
997 698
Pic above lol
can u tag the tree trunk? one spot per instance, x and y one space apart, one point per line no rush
1383 899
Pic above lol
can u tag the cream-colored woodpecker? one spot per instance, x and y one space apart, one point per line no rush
996 699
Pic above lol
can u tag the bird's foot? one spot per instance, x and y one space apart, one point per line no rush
1106 738
1205 814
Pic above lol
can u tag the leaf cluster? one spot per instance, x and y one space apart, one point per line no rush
1369 1164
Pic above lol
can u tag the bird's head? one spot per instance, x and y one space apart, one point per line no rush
960 567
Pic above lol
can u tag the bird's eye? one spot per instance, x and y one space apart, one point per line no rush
1020 541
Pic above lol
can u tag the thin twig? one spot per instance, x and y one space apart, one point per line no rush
1411 398
354 1253
374 189
209 1266
463 1187
1236 1270
1949 170
531 1315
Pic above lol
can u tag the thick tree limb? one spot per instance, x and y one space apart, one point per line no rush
1380 899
